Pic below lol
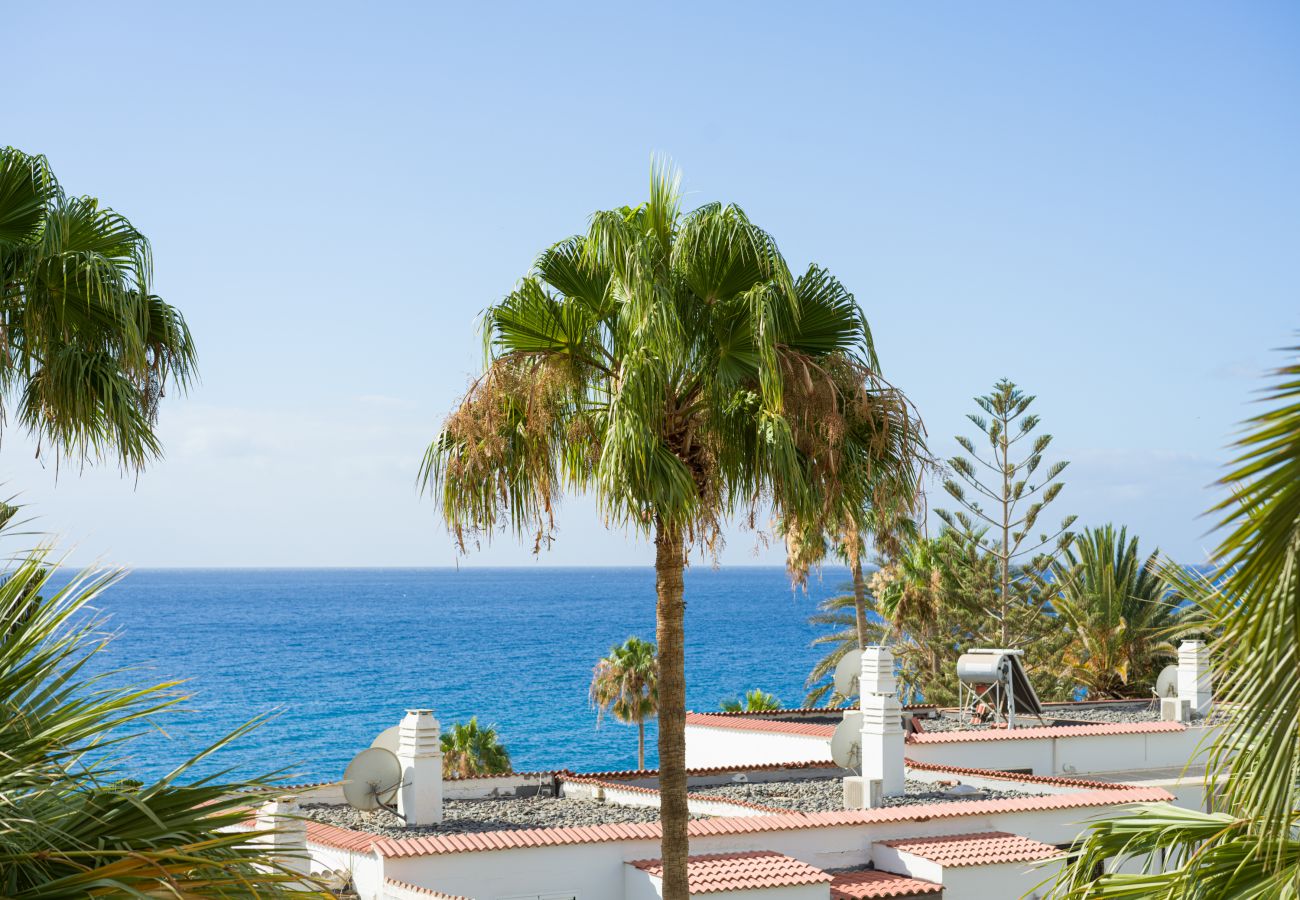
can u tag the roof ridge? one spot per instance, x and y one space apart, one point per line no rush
431 845
1044 731
1013 776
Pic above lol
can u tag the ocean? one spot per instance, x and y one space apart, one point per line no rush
337 655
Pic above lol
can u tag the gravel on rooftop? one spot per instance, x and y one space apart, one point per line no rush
466 816
827 794
952 721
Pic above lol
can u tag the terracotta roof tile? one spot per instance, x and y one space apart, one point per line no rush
811 710
709 720
423 892
1058 780
715 872
1049 731
707 770
503 840
869 884
979 849
342 838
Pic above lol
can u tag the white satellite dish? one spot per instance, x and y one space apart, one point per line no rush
846 743
387 739
847 674
1167 682
372 779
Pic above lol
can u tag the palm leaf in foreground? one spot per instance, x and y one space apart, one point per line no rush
69 825
1248 847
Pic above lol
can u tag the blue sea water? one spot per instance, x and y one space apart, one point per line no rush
338 654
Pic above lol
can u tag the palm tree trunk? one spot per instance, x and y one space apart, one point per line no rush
860 601
670 609
640 744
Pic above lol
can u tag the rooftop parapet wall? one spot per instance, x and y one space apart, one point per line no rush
1051 750
591 861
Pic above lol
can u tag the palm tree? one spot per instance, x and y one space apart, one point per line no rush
909 606
755 700
469 749
88 348
71 825
1246 847
840 615
1118 610
626 684
671 364
886 519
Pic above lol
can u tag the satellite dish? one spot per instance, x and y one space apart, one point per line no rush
847 674
846 744
387 739
372 779
1167 682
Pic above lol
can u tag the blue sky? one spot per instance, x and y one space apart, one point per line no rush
1097 200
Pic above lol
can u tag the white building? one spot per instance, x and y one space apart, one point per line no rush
975 812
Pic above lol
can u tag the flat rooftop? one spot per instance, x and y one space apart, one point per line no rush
805 795
821 721
476 816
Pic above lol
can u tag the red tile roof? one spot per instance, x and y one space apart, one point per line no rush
1049 731
550 837
424 892
709 720
340 838
979 849
707 770
1059 780
869 884
715 872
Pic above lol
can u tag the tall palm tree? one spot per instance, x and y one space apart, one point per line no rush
88 347
471 749
70 824
1119 612
1248 846
626 684
671 364
755 700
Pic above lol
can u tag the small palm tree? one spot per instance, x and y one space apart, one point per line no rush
755 700
1247 846
71 825
1118 610
626 684
88 347
470 749
670 363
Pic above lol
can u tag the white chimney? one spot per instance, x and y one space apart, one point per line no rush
419 751
882 724
1195 680
289 840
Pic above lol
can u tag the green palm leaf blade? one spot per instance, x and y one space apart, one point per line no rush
70 826
1250 607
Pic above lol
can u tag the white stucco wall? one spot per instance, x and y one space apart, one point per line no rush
637 885
708 747
366 869
1009 880
596 871
1070 755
